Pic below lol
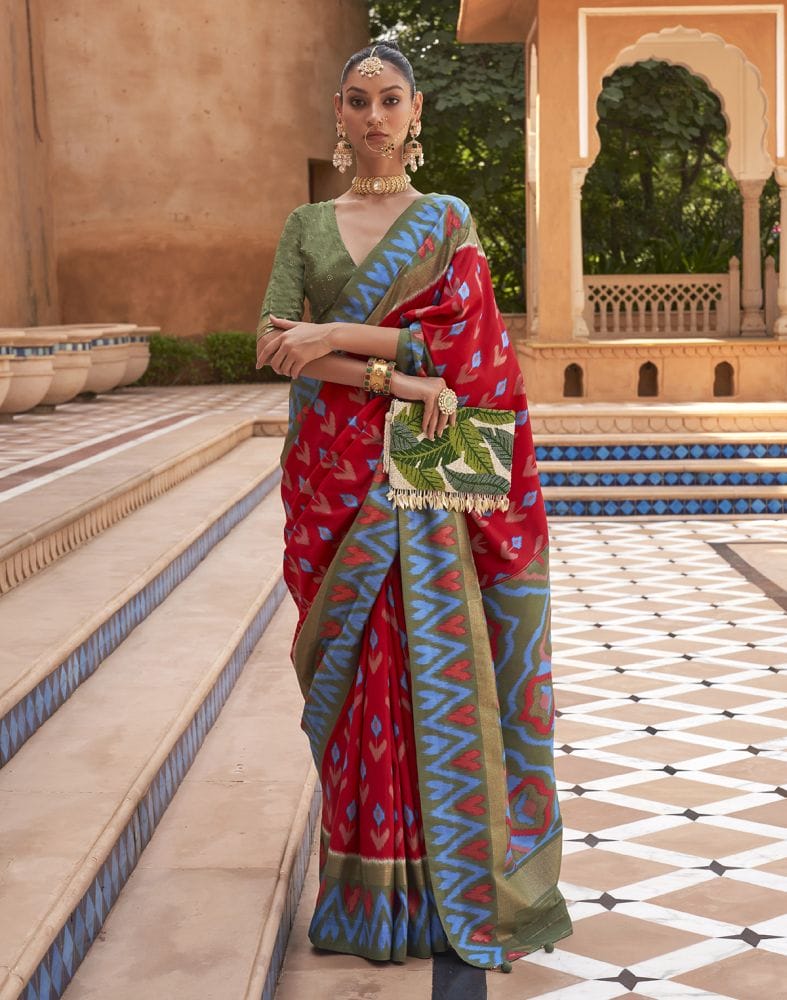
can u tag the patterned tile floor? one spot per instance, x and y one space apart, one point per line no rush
671 753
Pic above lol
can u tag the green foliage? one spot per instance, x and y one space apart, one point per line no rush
473 127
226 356
659 198
174 361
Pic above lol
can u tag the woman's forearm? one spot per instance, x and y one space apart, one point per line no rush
333 368
350 371
358 338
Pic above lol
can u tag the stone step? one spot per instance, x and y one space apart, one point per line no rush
234 882
677 474
656 501
81 799
583 418
71 508
86 603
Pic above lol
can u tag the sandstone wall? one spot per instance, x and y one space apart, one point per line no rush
182 135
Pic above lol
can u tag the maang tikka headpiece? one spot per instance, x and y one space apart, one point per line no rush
372 65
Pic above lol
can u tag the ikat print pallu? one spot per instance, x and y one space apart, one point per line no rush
423 640
466 467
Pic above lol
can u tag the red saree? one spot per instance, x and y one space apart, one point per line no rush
423 643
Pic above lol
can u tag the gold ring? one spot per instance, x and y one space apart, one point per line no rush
447 401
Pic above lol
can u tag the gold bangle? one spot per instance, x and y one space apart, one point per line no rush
368 374
389 370
377 378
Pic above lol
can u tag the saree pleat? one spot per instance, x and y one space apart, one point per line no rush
423 641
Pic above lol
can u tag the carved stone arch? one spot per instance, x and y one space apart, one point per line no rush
728 73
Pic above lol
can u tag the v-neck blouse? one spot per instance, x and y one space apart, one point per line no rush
311 261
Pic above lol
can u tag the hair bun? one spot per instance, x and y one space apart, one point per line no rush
393 44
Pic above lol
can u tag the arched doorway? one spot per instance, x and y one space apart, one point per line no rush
710 305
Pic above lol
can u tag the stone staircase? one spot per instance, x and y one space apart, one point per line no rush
659 460
117 656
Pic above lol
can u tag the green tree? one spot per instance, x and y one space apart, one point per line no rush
659 198
473 127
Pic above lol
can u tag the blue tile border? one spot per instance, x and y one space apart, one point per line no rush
729 506
294 890
683 450
57 968
663 477
40 703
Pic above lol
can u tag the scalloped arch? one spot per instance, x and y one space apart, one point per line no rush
731 76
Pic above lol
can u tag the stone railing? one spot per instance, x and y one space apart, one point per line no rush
664 305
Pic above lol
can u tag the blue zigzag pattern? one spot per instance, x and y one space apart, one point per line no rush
365 290
390 930
439 741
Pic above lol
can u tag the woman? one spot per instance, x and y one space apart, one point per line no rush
423 644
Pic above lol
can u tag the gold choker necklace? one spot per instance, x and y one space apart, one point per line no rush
380 185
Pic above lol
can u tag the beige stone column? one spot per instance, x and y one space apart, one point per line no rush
753 318
780 327
531 196
579 328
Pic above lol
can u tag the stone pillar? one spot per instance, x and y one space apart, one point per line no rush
753 318
579 327
531 197
780 327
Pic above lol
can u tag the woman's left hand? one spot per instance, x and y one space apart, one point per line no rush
292 346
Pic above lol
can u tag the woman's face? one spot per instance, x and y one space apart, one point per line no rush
377 111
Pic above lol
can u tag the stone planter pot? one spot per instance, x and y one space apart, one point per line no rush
32 369
139 353
5 369
109 354
71 361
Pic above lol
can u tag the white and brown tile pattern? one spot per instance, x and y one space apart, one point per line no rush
671 755
42 443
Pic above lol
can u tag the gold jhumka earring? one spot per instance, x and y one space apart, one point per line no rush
413 151
343 153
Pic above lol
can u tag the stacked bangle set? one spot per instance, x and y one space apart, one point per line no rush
378 375
377 379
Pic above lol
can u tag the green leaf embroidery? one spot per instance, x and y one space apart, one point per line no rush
467 441
412 416
421 478
427 454
502 444
402 437
484 415
468 483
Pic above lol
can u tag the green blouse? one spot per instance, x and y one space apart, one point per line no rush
311 260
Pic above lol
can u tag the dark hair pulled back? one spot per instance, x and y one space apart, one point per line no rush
388 52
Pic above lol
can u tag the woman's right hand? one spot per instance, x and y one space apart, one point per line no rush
424 389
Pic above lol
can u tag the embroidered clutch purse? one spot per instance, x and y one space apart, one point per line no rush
467 467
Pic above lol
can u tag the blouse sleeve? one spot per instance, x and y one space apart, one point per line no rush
285 292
